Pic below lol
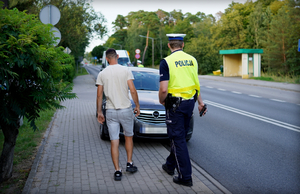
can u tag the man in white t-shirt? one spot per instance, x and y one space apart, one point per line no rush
114 81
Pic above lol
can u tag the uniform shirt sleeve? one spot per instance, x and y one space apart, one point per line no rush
99 80
164 71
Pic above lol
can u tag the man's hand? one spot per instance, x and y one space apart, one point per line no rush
136 111
200 106
100 118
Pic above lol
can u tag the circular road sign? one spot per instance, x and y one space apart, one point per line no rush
137 51
49 15
57 34
137 56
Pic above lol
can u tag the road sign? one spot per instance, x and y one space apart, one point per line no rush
95 57
299 45
137 56
50 15
57 34
137 51
67 50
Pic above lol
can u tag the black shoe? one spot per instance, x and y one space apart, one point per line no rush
131 168
118 175
165 168
188 183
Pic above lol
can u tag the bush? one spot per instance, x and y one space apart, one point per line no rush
33 77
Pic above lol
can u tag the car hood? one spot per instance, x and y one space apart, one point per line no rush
148 100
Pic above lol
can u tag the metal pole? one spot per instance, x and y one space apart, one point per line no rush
160 49
49 14
152 53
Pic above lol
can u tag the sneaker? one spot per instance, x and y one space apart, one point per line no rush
187 183
131 168
165 168
118 175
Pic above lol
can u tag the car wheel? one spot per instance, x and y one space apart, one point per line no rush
188 138
103 132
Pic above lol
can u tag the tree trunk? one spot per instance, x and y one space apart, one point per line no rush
145 48
6 160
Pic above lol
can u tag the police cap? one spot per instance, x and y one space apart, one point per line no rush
176 36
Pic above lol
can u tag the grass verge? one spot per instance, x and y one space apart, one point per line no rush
274 78
25 151
81 71
278 78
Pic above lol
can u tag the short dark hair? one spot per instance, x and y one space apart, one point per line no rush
111 53
174 44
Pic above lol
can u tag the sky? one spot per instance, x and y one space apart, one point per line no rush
111 8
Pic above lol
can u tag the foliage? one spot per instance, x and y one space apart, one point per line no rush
281 47
33 77
98 52
271 25
25 150
32 69
78 22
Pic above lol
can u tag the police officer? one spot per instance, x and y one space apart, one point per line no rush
179 89
139 63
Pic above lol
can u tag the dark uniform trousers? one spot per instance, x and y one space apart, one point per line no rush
178 125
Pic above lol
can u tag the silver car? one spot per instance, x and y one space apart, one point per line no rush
151 121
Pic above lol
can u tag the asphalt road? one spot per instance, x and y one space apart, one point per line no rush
250 139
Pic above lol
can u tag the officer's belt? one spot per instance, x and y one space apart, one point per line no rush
182 99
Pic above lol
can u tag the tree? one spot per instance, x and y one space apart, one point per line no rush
5 3
281 48
98 52
120 23
208 58
230 32
255 26
176 16
78 23
32 73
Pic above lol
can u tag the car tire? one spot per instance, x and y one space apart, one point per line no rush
188 138
103 132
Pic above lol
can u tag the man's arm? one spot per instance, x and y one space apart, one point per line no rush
100 118
134 96
163 91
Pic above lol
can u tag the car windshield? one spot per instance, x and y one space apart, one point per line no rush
123 61
146 80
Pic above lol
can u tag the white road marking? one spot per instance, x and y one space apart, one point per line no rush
236 92
255 116
209 87
277 100
255 96
221 89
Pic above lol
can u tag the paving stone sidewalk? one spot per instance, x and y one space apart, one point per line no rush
73 159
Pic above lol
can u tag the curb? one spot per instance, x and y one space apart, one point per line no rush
210 178
35 164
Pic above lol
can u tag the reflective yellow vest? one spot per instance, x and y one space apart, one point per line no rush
183 70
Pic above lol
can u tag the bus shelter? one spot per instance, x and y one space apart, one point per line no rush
241 62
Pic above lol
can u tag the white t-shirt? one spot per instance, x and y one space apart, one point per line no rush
114 80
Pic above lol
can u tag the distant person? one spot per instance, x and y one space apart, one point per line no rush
139 63
114 81
178 91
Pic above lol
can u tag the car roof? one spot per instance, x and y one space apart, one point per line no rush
143 69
